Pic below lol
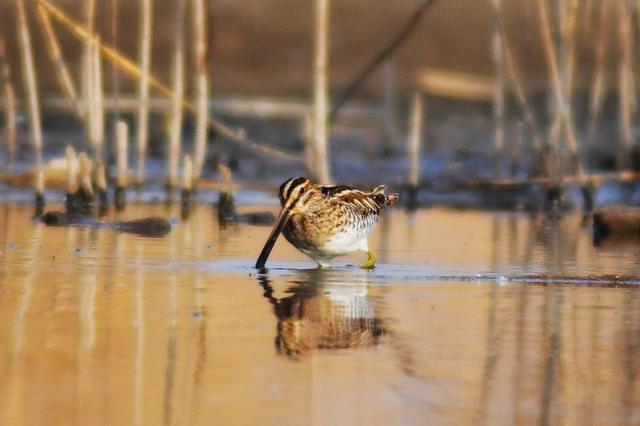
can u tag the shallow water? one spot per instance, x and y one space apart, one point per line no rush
456 325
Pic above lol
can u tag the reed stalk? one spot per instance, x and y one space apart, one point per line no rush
570 51
389 105
122 168
60 66
9 105
563 107
596 98
85 92
381 56
200 53
115 81
175 136
307 132
88 75
122 149
514 78
589 8
129 67
626 85
98 107
566 56
414 148
146 16
31 87
499 90
321 92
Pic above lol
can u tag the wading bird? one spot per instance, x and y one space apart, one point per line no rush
326 221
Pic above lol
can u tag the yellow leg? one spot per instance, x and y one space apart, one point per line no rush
371 261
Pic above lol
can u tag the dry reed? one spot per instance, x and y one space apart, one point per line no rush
200 53
499 90
31 86
415 142
60 66
9 105
175 135
320 168
122 168
237 136
144 52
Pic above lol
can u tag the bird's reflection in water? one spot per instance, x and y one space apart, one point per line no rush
326 309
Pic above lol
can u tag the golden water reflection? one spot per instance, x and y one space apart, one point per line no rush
105 328
324 309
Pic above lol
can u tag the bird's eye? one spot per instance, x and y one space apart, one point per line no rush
301 191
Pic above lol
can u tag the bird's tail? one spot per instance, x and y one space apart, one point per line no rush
382 198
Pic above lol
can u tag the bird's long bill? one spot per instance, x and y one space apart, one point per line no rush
281 221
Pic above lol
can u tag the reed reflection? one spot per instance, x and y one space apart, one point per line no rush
325 309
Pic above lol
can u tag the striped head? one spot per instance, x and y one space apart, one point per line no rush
290 194
292 190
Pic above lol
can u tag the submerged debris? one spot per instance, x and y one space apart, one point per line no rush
618 223
148 226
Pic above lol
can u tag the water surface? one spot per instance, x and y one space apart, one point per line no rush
99 327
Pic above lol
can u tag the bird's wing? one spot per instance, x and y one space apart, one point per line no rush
358 200
367 202
331 191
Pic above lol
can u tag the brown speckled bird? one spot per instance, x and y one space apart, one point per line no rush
326 221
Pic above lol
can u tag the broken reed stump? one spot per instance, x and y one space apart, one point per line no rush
39 193
621 224
516 150
588 189
101 186
72 178
84 198
122 150
226 206
187 187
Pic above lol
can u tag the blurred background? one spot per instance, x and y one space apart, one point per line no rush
508 89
